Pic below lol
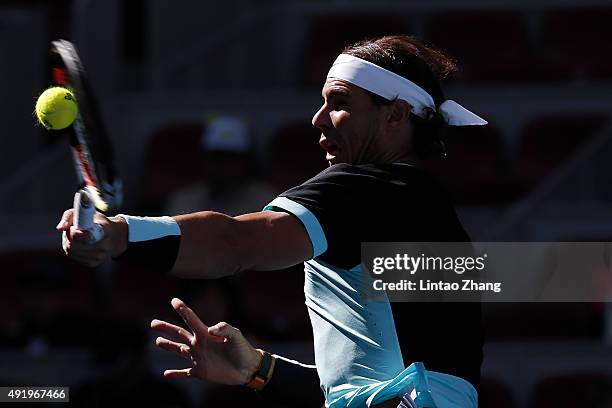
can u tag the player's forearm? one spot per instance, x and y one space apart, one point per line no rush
209 246
198 245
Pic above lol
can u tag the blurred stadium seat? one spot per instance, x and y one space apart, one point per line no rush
274 304
294 154
588 389
543 321
548 140
491 46
49 294
328 34
45 271
474 170
121 371
574 43
173 159
138 293
149 391
493 393
290 396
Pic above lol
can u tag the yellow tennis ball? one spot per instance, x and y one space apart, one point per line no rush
56 108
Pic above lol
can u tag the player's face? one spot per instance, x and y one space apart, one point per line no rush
349 123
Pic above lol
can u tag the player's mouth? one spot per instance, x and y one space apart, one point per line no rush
331 148
332 152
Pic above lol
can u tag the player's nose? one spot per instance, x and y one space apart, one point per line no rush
321 119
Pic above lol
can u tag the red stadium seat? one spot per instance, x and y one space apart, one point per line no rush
283 396
274 304
490 46
295 155
46 295
474 169
543 321
173 159
575 43
588 389
45 275
547 141
329 34
138 293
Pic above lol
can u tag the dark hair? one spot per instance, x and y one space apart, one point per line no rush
421 63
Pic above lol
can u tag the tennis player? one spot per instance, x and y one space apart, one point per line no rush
382 111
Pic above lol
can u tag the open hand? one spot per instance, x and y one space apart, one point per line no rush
219 354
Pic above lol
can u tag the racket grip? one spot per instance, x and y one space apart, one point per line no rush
84 212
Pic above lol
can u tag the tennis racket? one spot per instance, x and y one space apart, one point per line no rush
99 186
84 212
91 147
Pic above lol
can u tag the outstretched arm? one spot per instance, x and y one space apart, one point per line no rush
202 245
214 244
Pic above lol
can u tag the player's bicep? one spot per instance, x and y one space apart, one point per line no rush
273 240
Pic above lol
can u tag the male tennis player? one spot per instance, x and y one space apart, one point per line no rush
383 107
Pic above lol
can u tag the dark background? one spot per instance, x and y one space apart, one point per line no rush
540 71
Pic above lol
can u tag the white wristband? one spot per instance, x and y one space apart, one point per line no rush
149 228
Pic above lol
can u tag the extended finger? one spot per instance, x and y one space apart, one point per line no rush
171 329
188 315
65 242
66 220
181 350
184 373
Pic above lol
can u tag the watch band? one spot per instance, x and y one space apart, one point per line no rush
264 371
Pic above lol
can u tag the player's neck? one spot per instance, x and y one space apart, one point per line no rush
401 157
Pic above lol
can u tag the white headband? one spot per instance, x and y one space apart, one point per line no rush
389 85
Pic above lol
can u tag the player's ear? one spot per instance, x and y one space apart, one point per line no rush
399 112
